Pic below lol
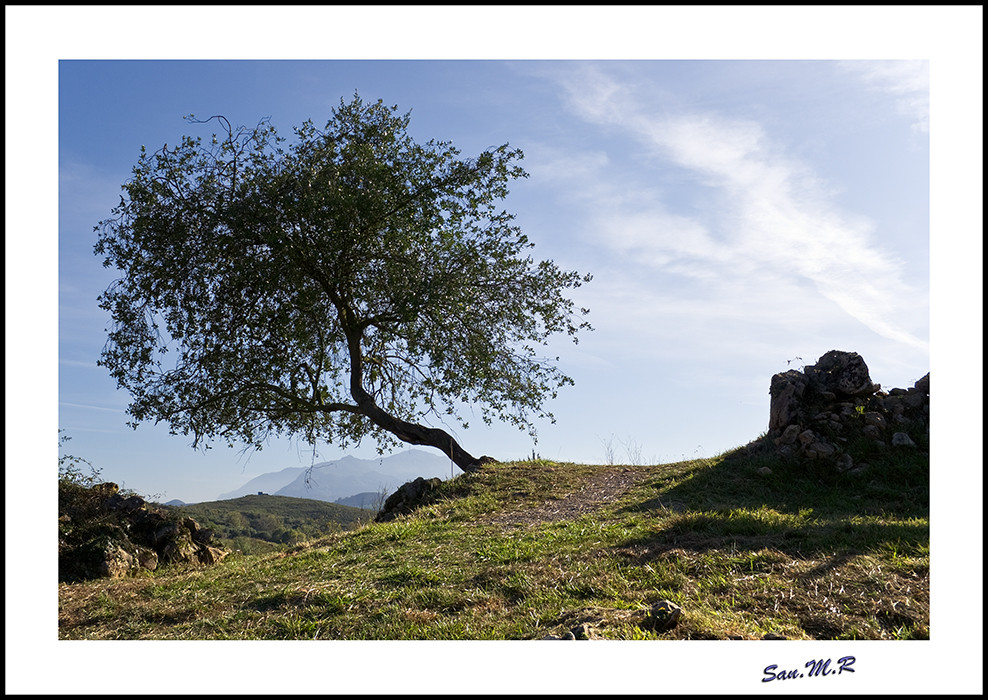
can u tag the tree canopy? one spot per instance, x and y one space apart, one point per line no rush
350 283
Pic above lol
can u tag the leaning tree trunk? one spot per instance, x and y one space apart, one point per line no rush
411 433
415 434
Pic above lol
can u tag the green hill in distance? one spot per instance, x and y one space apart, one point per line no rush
260 523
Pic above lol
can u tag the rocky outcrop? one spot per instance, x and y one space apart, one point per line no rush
103 533
483 462
828 411
407 498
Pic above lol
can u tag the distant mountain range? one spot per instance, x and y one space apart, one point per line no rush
347 477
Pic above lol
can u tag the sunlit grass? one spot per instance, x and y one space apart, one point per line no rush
742 554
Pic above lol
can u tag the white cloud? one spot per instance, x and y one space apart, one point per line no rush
908 82
659 238
769 219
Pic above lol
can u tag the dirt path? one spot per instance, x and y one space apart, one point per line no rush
602 489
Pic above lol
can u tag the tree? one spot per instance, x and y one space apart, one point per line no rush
350 283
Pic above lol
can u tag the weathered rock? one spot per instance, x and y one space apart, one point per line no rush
203 535
663 616
116 561
807 438
583 631
407 498
121 557
876 419
872 431
211 555
923 385
787 391
787 451
165 532
483 462
128 504
790 434
147 558
179 549
566 635
842 374
902 440
820 450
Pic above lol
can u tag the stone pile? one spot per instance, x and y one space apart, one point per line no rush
118 535
827 411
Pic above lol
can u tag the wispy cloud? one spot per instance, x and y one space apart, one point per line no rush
908 82
78 363
90 407
770 225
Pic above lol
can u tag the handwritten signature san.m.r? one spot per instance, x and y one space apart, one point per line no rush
816 668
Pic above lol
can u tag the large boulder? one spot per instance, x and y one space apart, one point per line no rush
841 374
787 391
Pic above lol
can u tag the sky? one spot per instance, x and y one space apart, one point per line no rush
744 206
739 218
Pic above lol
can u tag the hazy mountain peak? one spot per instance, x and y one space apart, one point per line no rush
348 476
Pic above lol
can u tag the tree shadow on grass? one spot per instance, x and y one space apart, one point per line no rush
731 532
750 502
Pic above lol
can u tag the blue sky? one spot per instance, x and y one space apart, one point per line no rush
740 215
736 215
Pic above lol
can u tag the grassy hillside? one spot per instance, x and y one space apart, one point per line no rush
531 549
256 524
